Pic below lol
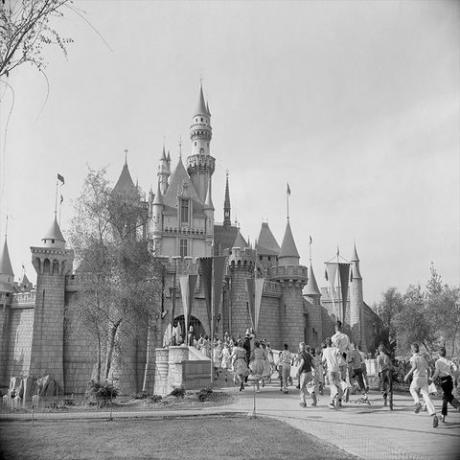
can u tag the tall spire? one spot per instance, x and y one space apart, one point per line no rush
5 261
158 197
227 220
355 272
311 289
201 106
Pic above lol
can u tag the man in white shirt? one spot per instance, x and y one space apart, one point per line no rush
332 359
420 371
342 342
444 370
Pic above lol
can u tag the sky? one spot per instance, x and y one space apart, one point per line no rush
355 104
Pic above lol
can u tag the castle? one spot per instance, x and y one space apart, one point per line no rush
41 332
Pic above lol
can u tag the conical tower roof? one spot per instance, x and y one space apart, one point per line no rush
125 184
178 179
288 247
54 233
201 106
207 108
239 242
311 289
5 261
158 198
266 243
354 257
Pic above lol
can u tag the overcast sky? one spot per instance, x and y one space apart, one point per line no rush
355 104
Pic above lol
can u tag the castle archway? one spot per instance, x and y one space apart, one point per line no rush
198 329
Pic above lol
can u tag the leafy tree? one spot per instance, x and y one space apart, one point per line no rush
25 30
389 307
119 277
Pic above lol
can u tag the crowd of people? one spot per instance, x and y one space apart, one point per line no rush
339 365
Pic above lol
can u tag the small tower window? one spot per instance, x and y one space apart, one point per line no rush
195 143
184 211
183 249
201 119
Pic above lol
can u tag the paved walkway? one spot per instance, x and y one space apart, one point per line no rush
369 432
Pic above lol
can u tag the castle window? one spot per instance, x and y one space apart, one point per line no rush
269 258
184 211
195 143
201 119
183 248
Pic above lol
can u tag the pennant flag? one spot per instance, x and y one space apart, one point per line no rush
311 240
212 272
62 199
206 274
259 287
344 272
351 275
60 178
219 268
325 275
250 287
187 288
331 271
288 189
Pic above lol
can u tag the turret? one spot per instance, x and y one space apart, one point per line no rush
157 219
208 209
164 171
200 163
53 262
315 322
292 278
356 301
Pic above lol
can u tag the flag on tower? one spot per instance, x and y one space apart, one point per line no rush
288 189
311 240
60 178
62 199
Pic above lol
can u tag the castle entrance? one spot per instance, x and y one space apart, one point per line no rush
198 329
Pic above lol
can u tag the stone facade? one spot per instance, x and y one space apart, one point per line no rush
42 331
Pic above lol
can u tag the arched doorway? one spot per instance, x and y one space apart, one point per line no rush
198 329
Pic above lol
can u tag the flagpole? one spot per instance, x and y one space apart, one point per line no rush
212 320
55 199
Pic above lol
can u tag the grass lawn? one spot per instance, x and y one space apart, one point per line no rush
194 438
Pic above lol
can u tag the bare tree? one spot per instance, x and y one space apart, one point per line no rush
25 30
120 278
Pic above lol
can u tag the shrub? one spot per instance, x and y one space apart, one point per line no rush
204 394
178 393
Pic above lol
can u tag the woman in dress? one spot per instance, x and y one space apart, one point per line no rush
226 359
267 368
239 363
257 364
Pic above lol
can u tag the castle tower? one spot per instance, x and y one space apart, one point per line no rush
313 296
157 220
356 301
52 262
292 277
200 163
164 171
267 248
227 218
208 209
241 267
6 289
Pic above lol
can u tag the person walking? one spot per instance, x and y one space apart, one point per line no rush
384 369
420 372
444 371
239 364
257 364
226 360
355 362
285 363
306 375
332 359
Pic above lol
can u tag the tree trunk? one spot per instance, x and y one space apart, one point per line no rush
113 333
147 358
